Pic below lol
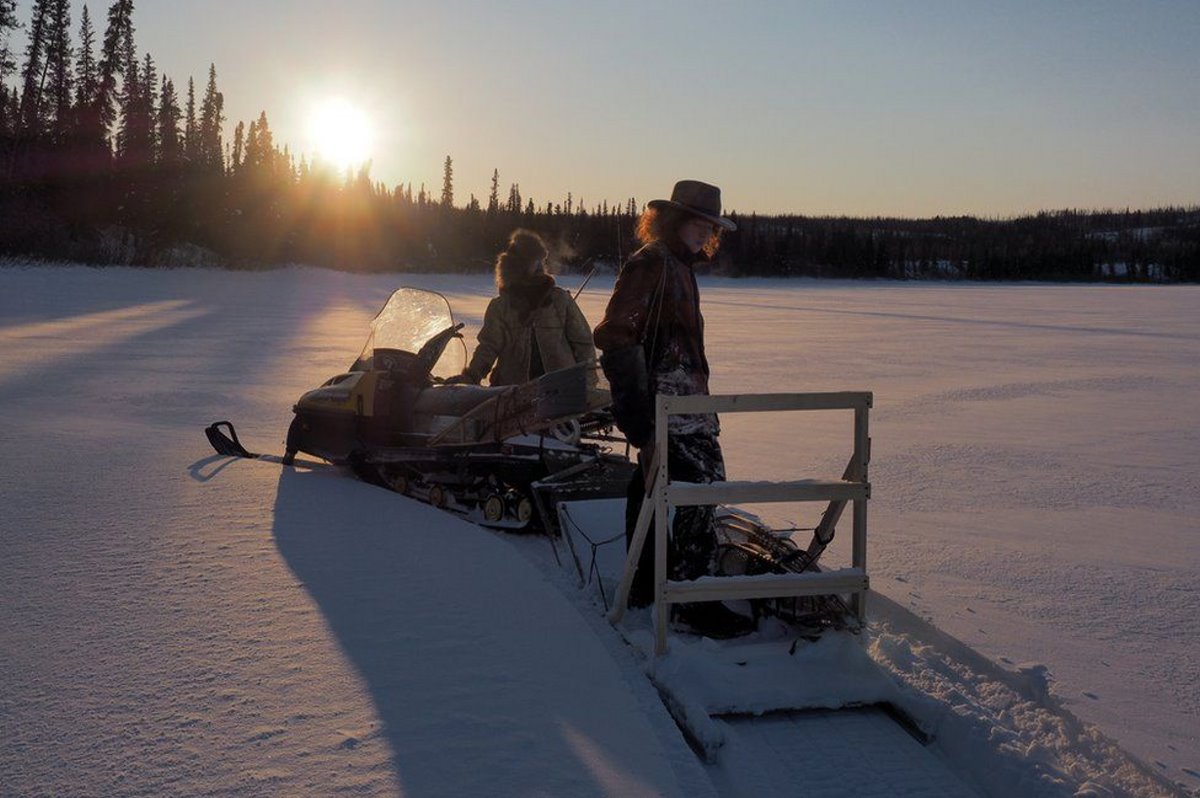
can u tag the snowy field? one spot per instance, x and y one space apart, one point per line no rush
172 623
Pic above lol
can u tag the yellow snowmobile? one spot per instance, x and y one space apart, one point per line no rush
503 456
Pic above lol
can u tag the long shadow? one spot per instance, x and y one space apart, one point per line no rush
955 320
207 468
196 359
67 373
15 318
475 695
57 304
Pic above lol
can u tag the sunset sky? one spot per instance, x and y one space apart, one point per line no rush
857 108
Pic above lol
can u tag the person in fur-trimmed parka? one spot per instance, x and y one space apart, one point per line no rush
533 326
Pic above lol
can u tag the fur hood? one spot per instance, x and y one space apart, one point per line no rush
521 260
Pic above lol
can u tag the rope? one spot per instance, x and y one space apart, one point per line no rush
595 545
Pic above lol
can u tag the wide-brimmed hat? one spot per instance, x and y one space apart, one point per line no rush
698 199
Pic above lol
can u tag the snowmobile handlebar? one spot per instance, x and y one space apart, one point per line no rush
431 350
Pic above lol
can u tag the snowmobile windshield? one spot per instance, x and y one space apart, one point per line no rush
410 318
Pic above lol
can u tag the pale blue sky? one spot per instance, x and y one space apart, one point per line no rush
895 108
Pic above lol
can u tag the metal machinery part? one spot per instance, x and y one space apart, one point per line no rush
493 508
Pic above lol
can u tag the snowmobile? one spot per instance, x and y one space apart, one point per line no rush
501 456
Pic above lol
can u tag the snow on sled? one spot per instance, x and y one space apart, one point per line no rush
498 455
805 653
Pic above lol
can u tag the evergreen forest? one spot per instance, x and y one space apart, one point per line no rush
104 160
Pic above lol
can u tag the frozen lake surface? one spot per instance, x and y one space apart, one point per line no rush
171 623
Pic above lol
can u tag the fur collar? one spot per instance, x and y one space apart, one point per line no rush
529 293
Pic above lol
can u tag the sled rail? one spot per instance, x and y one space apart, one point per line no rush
768 402
853 488
682 494
773 586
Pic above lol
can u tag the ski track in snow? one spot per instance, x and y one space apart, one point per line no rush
176 623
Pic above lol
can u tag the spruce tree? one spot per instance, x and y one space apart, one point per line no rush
170 147
494 198
58 68
11 112
191 131
212 153
117 58
8 23
87 78
33 72
90 131
448 183
135 134
128 128
146 110
239 146
265 157
251 158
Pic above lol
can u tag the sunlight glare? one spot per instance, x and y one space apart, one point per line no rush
340 133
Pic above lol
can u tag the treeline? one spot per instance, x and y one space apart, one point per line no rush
1160 245
102 160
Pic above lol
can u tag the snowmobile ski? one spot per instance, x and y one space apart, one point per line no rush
224 444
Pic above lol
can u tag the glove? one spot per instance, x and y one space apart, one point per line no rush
460 379
632 404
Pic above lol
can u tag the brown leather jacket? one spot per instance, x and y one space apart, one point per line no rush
655 306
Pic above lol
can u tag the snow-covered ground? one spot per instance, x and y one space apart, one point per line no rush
176 623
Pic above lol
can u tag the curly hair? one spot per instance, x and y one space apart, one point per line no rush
525 250
662 224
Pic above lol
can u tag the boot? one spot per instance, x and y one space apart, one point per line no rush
713 619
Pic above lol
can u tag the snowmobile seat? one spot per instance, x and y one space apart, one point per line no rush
454 400
443 406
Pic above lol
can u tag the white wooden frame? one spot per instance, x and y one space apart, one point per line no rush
663 494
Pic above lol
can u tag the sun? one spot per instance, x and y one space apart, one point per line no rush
340 133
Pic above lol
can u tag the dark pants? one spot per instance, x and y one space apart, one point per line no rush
693 540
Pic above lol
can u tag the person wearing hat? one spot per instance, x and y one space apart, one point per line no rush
652 339
533 326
